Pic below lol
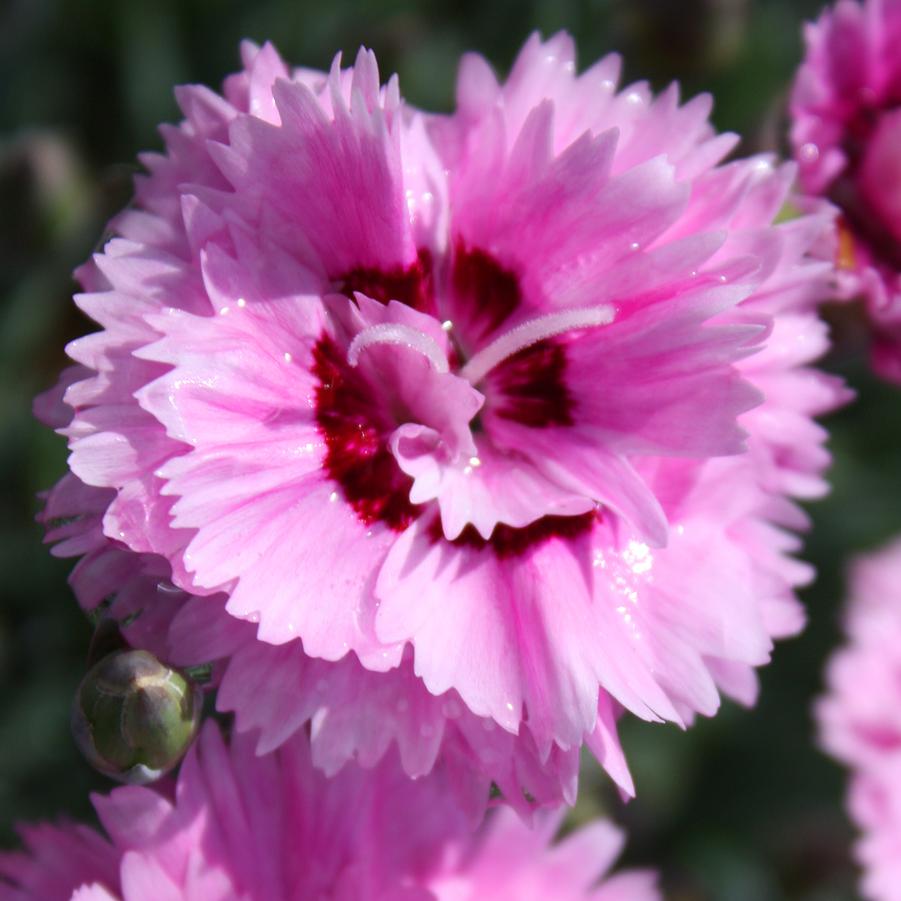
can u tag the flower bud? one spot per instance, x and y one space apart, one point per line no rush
133 717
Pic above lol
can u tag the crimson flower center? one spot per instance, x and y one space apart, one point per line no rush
868 192
518 360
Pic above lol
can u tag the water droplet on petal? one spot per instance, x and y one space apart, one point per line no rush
809 152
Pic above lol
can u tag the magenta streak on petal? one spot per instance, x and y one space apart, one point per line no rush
402 335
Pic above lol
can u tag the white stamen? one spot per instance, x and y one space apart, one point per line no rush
392 333
530 333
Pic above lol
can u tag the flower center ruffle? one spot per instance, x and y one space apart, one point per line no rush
379 448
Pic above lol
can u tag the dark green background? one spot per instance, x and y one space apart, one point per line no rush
740 808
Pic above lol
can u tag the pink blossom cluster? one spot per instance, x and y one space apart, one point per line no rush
846 132
445 441
273 828
860 716
422 428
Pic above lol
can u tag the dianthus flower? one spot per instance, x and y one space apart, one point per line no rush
860 717
450 432
846 107
273 828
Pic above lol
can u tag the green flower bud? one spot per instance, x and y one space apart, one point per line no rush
133 717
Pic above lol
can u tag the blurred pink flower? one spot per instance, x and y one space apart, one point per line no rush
846 133
860 716
453 412
272 828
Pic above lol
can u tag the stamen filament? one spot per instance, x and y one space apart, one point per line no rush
393 333
531 332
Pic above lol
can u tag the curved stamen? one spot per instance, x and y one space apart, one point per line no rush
530 333
392 333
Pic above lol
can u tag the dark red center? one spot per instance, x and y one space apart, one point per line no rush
861 218
357 455
507 541
528 387
411 285
483 294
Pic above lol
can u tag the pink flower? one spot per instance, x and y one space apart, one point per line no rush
351 713
846 134
492 419
59 859
860 717
239 826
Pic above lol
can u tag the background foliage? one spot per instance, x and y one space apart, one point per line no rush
742 807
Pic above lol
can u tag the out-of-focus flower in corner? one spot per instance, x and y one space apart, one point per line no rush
846 134
274 828
455 432
860 717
